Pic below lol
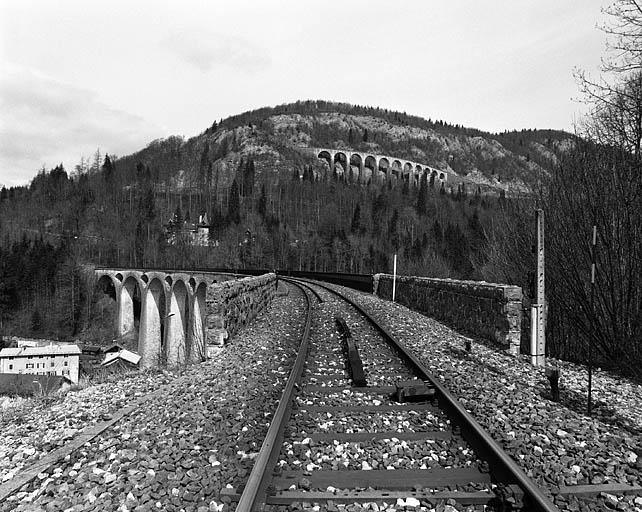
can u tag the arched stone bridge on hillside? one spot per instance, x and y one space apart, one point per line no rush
367 165
168 309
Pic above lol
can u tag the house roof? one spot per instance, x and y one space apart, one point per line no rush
49 350
114 347
125 355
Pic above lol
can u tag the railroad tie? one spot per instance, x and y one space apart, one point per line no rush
355 366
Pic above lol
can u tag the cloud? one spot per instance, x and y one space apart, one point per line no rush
206 51
46 122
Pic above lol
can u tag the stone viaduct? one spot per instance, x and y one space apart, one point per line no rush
380 166
171 311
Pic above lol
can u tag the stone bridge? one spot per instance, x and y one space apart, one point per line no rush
169 307
368 165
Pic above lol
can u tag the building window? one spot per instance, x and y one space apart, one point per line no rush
52 364
11 367
29 365
66 363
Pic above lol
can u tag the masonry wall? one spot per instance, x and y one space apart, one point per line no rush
233 304
490 311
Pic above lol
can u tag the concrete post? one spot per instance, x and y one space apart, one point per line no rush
175 327
196 340
149 337
125 306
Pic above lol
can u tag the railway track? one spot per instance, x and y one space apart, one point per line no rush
401 440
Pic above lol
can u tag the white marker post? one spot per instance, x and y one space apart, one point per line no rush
534 335
394 277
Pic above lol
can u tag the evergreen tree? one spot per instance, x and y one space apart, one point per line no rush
248 178
355 226
36 320
108 170
393 230
178 217
422 198
437 232
262 206
234 208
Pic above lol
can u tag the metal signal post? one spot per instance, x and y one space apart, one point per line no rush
589 406
538 317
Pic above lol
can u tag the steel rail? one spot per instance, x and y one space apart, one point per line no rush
536 498
253 495
295 281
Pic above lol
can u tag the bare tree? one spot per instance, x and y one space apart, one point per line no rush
625 36
603 187
615 99
615 118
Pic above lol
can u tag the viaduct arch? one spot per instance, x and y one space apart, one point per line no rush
378 167
168 309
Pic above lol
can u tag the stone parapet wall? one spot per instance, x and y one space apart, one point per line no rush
490 311
233 304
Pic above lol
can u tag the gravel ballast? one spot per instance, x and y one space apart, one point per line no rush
178 450
553 442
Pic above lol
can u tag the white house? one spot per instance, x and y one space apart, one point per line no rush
49 360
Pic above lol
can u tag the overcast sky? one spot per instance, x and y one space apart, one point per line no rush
81 75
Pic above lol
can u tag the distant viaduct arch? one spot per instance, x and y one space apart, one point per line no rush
370 165
170 308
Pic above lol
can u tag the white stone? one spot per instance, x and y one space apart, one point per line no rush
412 502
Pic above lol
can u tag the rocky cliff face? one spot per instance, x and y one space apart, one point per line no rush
275 139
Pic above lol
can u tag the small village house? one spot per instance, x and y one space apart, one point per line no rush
61 360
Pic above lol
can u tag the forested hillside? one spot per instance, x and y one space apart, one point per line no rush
294 221
270 203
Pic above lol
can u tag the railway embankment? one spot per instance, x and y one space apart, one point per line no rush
234 304
555 443
178 448
491 311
